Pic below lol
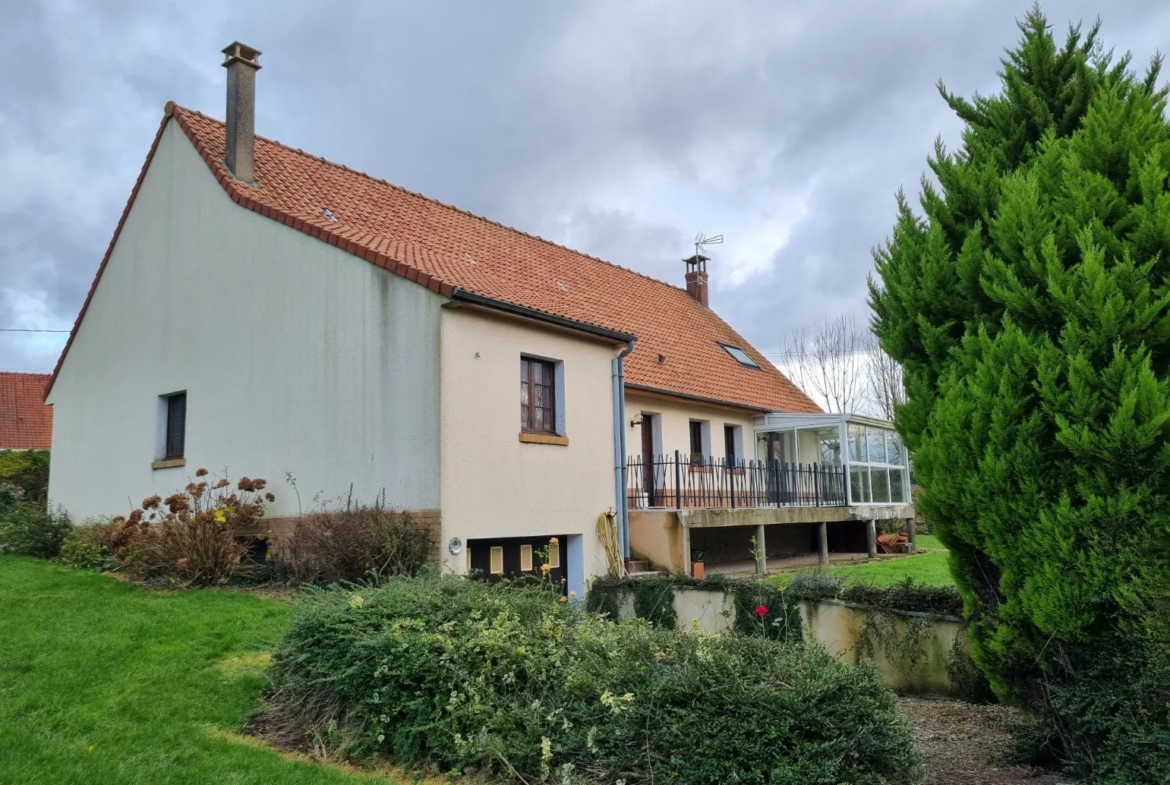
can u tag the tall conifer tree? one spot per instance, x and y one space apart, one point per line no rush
1029 304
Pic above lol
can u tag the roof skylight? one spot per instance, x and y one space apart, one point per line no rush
742 357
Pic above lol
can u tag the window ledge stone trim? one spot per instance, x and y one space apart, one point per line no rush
544 438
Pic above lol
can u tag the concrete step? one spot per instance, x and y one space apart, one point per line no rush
645 573
638 565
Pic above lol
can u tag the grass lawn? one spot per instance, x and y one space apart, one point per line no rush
929 568
102 682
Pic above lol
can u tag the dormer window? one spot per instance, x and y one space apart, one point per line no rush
741 357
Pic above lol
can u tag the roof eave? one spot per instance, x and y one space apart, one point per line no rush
462 295
738 405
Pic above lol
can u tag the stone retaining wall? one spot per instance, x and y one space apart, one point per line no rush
914 653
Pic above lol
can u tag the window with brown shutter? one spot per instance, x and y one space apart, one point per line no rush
538 410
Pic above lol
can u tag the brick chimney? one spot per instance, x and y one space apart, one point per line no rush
242 63
697 278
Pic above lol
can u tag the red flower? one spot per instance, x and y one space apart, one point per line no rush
761 611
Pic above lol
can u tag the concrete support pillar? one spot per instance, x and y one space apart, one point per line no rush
823 544
912 535
761 551
871 538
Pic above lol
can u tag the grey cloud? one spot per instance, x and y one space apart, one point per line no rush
616 128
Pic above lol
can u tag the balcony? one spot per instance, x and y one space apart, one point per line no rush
816 492
681 481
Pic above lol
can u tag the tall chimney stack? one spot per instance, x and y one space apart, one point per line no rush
697 278
242 63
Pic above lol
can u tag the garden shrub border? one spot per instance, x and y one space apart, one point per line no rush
765 609
509 681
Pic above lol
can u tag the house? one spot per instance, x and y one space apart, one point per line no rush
26 423
268 312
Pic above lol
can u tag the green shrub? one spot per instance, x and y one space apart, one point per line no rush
908 595
28 471
509 680
28 528
96 544
766 609
1027 302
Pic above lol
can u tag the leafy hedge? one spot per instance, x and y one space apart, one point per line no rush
765 609
28 472
28 527
512 682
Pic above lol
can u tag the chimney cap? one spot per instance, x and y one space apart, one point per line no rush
242 53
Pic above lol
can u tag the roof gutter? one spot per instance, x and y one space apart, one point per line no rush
463 295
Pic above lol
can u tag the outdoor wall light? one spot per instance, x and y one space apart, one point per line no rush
636 421
455 546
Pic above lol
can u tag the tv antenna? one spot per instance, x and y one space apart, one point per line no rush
702 241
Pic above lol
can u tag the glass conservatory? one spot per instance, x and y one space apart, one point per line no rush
872 458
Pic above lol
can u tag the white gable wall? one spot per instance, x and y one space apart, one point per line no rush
296 357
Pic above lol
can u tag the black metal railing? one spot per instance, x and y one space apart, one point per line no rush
686 481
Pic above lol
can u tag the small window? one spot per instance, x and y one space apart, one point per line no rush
729 444
554 554
525 558
538 408
497 559
697 451
176 426
742 357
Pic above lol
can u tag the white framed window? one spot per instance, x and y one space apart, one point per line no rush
554 554
877 468
497 560
525 558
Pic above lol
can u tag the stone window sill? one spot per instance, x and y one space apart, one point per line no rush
543 438
169 463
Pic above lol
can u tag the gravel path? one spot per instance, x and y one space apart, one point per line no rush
966 744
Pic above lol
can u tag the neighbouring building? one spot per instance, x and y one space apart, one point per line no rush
268 312
26 423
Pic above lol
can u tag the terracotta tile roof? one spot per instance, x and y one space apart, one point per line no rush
449 250
26 423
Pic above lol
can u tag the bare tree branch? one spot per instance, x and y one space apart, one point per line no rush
839 364
886 388
828 361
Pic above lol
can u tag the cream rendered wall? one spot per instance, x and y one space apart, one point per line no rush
675 418
296 357
493 485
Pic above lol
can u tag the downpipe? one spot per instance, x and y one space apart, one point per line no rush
621 501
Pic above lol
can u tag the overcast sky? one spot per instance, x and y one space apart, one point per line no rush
618 128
